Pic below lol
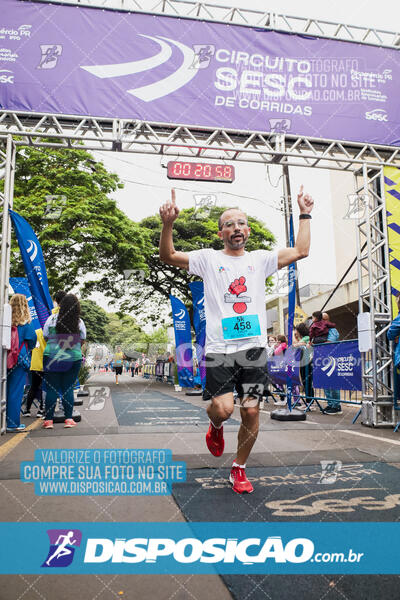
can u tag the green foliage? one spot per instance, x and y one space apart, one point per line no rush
95 319
190 233
84 374
121 330
153 344
91 237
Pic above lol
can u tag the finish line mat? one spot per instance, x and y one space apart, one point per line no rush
156 409
333 491
328 492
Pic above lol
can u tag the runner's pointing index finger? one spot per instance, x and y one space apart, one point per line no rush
173 195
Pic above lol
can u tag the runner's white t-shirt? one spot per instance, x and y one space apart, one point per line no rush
233 286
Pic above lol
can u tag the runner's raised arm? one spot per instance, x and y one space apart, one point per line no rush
286 256
169 213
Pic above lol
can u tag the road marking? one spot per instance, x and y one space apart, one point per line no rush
367 435
18 438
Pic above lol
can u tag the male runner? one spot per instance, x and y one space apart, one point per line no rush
234 300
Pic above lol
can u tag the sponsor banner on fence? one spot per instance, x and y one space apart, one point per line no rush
85 61
285 365
239 548
337 366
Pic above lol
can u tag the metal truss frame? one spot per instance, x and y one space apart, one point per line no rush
7 169
192 9
366 161
179 140
375 291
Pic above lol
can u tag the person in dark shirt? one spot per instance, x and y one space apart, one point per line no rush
319 329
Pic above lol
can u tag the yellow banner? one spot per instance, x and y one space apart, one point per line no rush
392 195
299 316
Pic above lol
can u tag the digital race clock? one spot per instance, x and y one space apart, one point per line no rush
200 171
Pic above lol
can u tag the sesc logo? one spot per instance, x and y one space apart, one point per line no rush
6 76
330 366
191 550
378 114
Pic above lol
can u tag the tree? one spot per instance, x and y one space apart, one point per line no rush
90 240
153 344
122 330
190 233
95 319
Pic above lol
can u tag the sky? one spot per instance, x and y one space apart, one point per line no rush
257 189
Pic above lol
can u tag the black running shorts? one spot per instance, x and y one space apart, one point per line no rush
244 370
118 370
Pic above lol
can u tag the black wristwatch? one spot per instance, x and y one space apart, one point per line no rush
305 216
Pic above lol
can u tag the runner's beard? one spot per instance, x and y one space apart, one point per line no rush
236 244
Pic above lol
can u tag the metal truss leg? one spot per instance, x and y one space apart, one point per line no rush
375 293
7 168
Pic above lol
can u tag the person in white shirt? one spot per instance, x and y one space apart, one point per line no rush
234 300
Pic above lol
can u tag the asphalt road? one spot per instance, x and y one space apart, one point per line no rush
288 463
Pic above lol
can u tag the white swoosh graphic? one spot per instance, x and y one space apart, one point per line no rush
331 366
180 314
171 83
135 66
32 245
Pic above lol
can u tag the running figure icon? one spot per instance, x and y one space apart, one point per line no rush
62 549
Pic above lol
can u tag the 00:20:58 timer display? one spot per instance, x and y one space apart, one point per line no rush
200 171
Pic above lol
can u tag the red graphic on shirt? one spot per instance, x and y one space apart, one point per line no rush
238 287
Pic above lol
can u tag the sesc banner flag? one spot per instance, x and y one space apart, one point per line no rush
199 324
35 269
20 285
183 342
75 60
337 366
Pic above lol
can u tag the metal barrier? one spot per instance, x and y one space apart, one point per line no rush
307 394
160 370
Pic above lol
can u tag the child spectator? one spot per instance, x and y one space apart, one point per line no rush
333 334
281 345
270 345
319 329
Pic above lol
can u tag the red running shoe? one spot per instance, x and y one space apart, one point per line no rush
239 481
215 440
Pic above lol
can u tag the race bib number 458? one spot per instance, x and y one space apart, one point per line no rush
234 328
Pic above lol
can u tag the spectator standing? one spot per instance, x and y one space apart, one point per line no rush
36 373
333 406
302 340
58 298
278 349
271 341
281 345
65 333
16 376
